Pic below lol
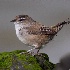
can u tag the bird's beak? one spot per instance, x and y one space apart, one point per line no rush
13 20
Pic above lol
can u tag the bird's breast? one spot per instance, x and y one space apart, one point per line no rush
21 33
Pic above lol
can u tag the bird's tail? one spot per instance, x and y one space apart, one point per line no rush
59 26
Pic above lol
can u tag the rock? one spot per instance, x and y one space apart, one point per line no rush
43 61
16 61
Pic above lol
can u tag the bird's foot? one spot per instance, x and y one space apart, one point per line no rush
32 52
23 52
28 52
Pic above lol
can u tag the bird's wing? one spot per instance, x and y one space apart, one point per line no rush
38 29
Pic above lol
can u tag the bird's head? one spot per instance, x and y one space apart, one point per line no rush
21 19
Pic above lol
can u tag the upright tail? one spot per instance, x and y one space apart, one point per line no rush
59 26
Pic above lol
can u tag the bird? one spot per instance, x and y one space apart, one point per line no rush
34 33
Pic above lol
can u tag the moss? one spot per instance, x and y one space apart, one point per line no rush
16 61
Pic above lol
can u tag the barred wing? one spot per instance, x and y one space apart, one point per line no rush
41 30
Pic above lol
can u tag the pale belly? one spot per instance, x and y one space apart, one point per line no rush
22 36
21 33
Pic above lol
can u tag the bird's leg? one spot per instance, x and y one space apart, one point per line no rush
34 51
38 51
28 51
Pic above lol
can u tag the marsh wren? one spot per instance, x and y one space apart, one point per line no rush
34 33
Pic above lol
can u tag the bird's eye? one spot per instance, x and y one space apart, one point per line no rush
20 20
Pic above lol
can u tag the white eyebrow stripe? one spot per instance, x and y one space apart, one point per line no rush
23 18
